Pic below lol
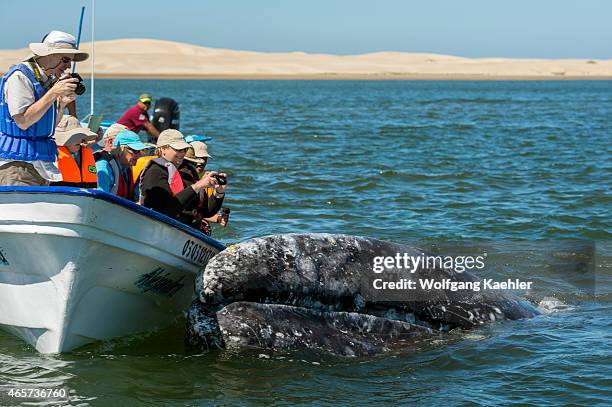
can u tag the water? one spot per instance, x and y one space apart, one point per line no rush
504 164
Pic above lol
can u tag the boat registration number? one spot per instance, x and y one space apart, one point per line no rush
197 253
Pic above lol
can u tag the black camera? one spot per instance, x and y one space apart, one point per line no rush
80 88
225 212
220 179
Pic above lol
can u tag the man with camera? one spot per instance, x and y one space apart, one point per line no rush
165 189
192 170
33 96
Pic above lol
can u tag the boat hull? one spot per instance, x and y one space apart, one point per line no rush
77 266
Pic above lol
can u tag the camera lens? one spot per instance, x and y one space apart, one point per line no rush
221 179
80 89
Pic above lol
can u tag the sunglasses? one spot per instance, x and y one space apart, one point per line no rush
66 60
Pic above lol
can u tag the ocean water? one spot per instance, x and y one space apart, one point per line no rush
522 168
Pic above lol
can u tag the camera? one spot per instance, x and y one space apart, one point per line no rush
224 216
220 179
80 88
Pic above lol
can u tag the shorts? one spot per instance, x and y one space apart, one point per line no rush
20 173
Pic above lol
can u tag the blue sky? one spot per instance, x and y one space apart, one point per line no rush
471 28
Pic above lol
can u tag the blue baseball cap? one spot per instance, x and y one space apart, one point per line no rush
130 139
193 137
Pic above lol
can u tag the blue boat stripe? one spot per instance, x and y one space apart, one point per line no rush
114 199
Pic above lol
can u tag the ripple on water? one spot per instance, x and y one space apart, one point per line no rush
401 161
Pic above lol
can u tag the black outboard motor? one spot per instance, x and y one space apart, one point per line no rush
166 114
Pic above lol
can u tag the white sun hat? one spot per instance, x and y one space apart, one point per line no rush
58 42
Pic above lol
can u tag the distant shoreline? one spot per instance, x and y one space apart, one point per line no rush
140 58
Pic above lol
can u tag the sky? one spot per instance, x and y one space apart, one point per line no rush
468 28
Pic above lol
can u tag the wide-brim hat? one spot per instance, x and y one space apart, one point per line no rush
69 131
58 42
172 138
198 152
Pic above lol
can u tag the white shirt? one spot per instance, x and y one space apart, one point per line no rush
19 95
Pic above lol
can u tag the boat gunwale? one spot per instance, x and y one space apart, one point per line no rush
114 199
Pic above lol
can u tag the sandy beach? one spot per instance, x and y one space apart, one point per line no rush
156 59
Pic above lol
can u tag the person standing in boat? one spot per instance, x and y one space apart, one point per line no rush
115 168
32 102
75 157
164 188
136 117
191 170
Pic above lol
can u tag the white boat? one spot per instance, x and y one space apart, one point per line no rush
77 266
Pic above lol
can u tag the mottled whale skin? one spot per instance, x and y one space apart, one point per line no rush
250 325
299 291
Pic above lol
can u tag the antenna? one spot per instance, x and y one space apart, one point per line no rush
78 41
93 56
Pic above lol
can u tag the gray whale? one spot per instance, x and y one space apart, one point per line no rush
314 291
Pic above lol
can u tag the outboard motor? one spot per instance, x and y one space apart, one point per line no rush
166 114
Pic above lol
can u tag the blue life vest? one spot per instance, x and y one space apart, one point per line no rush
34 143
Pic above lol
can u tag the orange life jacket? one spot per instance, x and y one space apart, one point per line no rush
72 175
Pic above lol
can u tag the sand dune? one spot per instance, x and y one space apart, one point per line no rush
146 58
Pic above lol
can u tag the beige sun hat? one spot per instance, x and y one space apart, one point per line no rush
197 152
69 131
58 42
113 130
172 138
